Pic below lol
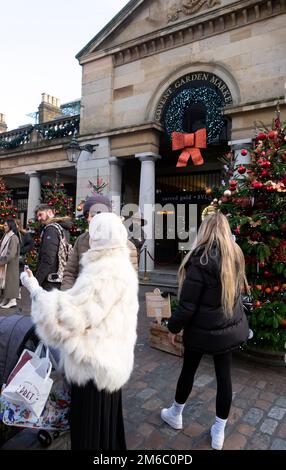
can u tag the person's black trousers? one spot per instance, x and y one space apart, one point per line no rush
96 419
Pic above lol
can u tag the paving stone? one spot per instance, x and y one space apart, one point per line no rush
277 412
181 442
237 387
235 414
241 403
261 384
208 394
246 429
145 394
203 380
194 429
235 441
264 405
268 396
281 402
249 392
278 444
133 441
282 430
253 416
145 429
206 418
139 385
269 426
259 441
155 441
153 404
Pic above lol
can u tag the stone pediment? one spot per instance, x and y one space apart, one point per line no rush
144 17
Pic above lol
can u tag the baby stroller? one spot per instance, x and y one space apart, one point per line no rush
17 332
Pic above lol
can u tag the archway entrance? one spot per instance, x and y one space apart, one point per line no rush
193 102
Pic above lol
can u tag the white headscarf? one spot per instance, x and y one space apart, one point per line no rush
106 231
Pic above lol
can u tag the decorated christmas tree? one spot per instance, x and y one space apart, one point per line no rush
254 197
94 188
7 210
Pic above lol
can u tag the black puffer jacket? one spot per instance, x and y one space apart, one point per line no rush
48 252
200 314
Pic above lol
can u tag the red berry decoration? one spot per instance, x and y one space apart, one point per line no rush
272 134
241 169
261 136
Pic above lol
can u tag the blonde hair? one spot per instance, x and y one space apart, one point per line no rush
214 236
20 226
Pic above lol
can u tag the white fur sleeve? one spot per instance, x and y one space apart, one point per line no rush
62 317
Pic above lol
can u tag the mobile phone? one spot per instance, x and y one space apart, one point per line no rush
26 266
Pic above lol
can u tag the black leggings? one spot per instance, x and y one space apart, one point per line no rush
222 363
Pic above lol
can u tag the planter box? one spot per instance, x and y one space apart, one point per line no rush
159 340
271 358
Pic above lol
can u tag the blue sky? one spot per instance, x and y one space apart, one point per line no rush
38 44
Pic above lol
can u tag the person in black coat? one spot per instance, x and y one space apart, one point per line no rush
26 243
211 315
50 242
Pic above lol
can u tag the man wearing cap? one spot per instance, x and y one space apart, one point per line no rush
92 206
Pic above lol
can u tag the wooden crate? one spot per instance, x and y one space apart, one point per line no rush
159 340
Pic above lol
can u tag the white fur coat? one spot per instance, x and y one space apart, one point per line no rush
93 324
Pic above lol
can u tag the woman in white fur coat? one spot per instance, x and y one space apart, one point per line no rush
93 324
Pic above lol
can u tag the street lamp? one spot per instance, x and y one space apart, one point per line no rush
74 150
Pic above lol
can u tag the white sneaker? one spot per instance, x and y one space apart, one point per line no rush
217 438
11 303
174 420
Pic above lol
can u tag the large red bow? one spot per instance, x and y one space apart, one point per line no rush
191 143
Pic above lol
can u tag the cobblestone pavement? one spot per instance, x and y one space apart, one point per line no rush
258 414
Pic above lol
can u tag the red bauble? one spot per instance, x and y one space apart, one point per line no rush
264 173
257 184
233 183
244 152
261 136
241 169
265 164
266 274
272 134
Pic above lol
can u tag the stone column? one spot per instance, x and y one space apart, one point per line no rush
115 182
34 197
147 205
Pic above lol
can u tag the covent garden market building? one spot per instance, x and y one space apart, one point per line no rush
158 67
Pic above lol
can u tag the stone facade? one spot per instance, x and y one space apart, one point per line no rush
132 68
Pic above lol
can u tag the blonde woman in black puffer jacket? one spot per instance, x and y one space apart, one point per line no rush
211 315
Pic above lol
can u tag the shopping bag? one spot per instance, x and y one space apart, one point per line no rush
29 384
158 306
55 415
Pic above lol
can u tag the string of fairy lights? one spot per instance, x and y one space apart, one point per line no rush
214 103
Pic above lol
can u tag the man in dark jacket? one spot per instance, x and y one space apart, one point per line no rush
50 242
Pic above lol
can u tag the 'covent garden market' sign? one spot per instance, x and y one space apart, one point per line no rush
197 87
